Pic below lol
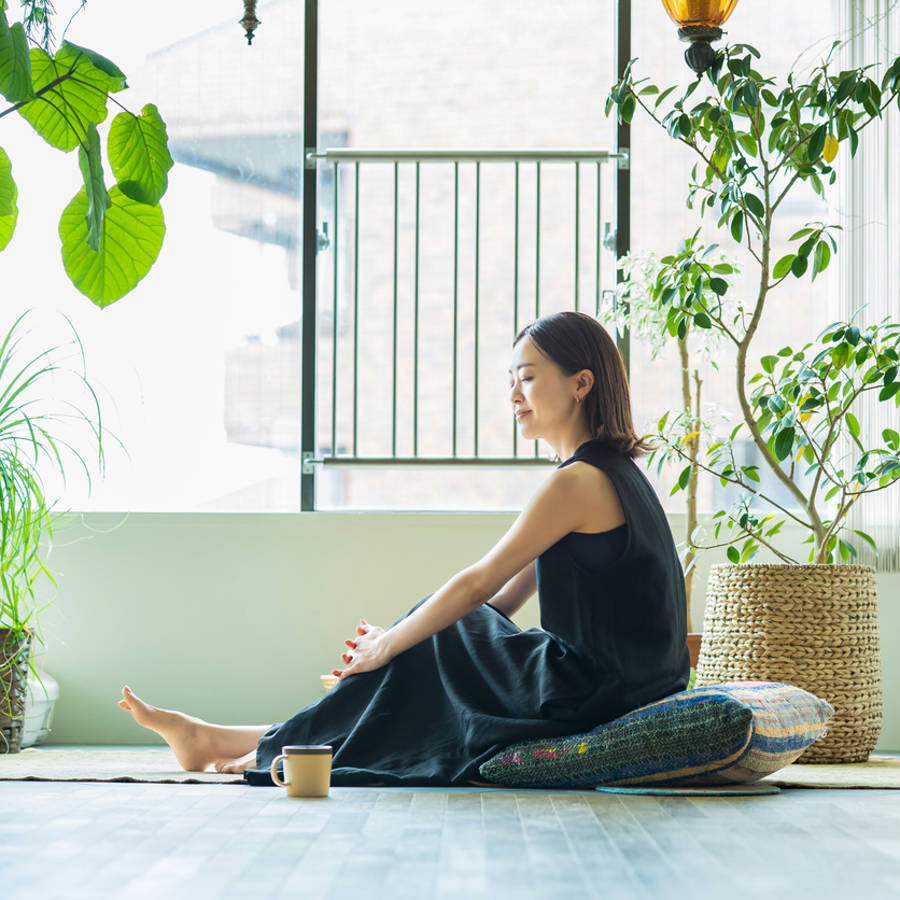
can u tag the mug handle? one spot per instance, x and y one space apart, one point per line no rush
274 773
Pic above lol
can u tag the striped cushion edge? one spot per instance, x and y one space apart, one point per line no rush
786 720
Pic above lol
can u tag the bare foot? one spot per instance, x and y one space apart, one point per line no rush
190 738
237 766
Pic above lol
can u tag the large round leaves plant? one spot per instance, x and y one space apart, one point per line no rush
111 237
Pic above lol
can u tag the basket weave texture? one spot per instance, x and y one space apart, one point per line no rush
13 687
813 626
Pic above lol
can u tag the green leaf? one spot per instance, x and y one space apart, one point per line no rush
747 143
821 258
867 538
784 441
61 114
733 554
817 143
628 107
663 95
129 245
768 363
853 424
891 438
755 205
798 266
91 165
116 77
701 320
845 89
889 390
847 550
684 477
139 154
718 285
9 213
15 62
783 266
737 226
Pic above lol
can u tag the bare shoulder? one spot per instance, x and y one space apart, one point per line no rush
597 496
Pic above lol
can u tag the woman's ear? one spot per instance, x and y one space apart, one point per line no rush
585 381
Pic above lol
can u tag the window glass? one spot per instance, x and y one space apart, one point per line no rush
189 368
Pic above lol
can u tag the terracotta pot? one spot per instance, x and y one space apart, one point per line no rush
693 641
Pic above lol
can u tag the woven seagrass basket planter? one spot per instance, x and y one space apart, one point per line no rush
813 626
13 688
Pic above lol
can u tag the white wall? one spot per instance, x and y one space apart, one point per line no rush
233 617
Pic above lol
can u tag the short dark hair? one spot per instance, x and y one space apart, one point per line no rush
576 341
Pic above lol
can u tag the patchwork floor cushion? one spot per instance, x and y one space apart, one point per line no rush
735 732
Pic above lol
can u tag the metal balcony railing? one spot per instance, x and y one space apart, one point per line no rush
531 212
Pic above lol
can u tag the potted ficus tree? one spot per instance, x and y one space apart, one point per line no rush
110 238
813 624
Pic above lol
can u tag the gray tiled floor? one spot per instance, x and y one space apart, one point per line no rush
98 840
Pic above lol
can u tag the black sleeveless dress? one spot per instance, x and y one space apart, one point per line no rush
612 638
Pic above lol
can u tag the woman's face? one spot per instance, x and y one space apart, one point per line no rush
542 395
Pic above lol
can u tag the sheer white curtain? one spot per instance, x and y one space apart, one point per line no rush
868 264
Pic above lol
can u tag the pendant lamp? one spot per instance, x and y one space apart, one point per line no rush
249 22
699 23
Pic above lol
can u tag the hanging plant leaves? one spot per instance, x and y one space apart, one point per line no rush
72 53
130 241
9 213
91 165
77 98
15 62
139 154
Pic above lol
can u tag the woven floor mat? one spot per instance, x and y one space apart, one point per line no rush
880 771
158 764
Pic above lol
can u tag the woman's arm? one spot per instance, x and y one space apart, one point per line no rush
560 505
516 592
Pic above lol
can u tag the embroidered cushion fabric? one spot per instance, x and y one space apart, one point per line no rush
729 733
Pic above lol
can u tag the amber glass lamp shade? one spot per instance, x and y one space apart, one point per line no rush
699 13
699 23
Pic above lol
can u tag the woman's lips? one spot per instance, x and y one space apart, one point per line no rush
520 413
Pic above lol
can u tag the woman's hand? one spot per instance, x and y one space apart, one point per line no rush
368 651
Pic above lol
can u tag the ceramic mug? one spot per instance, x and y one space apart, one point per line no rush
307 770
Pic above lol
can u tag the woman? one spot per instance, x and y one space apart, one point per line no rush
455 680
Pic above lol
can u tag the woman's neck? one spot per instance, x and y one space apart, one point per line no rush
567 446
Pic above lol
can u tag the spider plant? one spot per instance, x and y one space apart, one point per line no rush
38 428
